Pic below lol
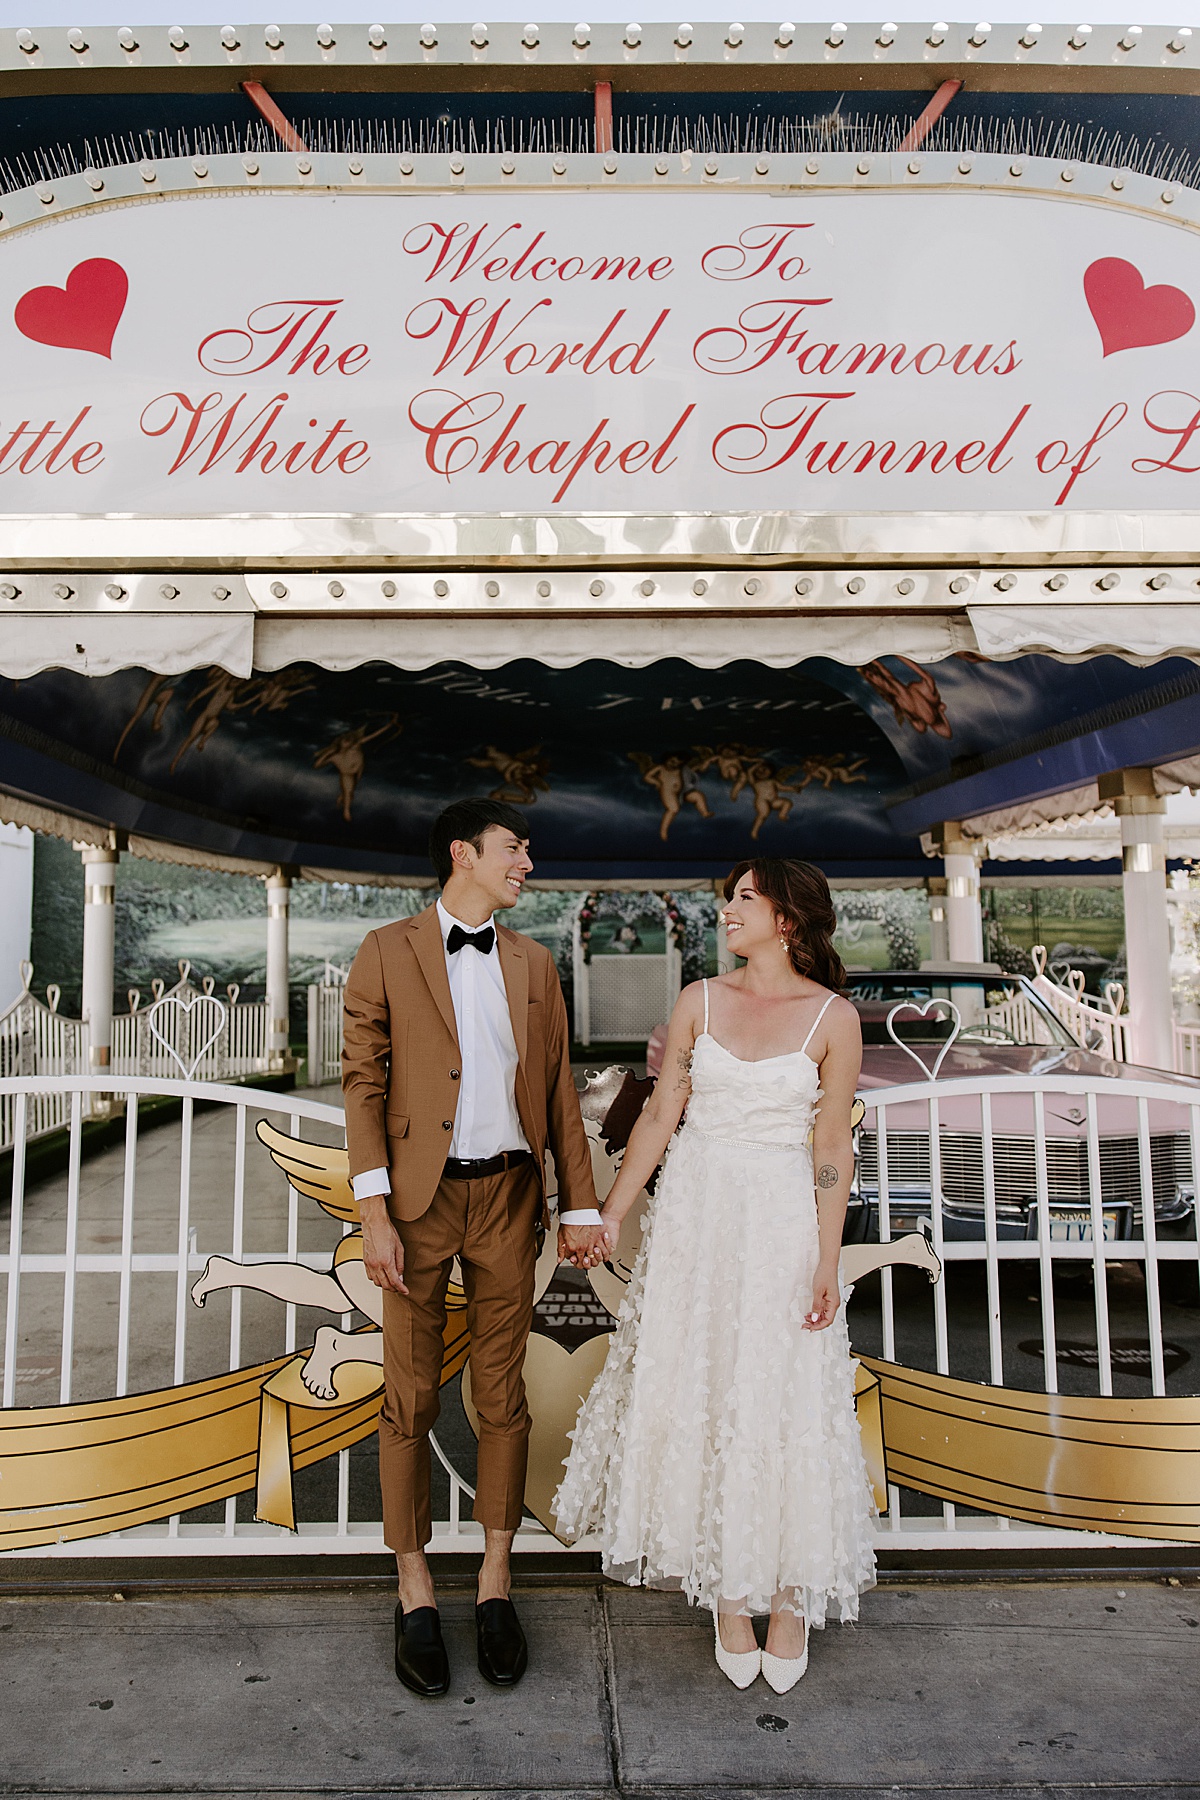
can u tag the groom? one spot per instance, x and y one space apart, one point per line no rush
456 1074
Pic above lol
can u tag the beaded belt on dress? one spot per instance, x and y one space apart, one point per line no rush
710 1137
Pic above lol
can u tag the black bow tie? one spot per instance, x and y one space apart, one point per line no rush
478 940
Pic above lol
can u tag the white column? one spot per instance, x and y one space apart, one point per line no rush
964 916
724 960
279 895
99 934
16 908
1147 934
939 938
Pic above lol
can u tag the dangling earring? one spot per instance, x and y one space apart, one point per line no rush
783 943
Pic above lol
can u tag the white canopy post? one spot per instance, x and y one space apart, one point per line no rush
99 940
279 897
939 936
1147 934
964 915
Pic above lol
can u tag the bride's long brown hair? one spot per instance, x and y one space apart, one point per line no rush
800 895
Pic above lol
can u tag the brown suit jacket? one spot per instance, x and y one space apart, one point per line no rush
401 1062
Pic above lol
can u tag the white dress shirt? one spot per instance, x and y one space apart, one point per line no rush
486 1120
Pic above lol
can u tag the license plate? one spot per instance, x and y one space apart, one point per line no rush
1076 1228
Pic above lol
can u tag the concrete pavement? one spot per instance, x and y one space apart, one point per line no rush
1045 1688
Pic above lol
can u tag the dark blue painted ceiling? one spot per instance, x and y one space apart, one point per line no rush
659 773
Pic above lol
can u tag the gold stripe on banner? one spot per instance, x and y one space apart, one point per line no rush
1130 1467
78 1471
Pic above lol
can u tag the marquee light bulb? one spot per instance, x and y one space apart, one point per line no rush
177 38
683 36
479 36
530 37
735 34
1079 37
76 39
229 37
325 37
980 35
786 35
428 37
887 35
582 37
126 38
633 36
837 36
1129 41
26 40
377 37
273 37
937 36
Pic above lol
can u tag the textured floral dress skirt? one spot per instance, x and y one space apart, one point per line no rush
718 1450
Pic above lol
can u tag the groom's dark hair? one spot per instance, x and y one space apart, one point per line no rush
468 820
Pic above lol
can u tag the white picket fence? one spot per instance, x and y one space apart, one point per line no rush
325 1001
36 1039
1102 1027
189 1028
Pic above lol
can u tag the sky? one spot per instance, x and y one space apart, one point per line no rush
1168 13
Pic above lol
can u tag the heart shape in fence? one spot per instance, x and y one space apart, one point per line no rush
1114 993
184 1010
1037 957
923 1012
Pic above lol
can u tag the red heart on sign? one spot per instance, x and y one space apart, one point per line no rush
84 315
1128 314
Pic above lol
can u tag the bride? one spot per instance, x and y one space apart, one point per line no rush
718 1450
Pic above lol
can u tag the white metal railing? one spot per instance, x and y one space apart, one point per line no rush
188 1027
154 1225
326 1001
218 1209
1102 1027
36 1039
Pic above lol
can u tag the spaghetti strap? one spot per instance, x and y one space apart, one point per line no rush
816 1022
704 984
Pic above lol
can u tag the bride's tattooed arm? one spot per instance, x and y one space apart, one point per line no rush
827 1176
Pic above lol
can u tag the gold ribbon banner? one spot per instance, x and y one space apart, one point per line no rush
1129 1467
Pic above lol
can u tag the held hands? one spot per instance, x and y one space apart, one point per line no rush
826 1298
383 1253
583 1246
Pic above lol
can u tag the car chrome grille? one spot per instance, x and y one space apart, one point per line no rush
1015 1171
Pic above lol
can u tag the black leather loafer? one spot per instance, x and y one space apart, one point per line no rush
503 1652
421 1660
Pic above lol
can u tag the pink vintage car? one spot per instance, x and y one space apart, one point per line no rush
1007 1029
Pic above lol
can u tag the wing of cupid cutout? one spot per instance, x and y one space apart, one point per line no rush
1129 1467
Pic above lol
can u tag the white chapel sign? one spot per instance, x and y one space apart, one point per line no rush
632 354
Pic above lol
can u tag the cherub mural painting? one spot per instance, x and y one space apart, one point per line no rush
347 754
522 773
917 702
673 780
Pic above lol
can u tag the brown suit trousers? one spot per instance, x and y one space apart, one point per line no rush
491 1226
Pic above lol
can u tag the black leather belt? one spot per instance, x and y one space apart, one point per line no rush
475 1168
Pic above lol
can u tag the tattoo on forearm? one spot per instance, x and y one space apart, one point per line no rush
827 1176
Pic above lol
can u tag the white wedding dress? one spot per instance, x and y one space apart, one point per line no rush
718 1450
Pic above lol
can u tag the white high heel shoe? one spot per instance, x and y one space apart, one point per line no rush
742 1667
783 1672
